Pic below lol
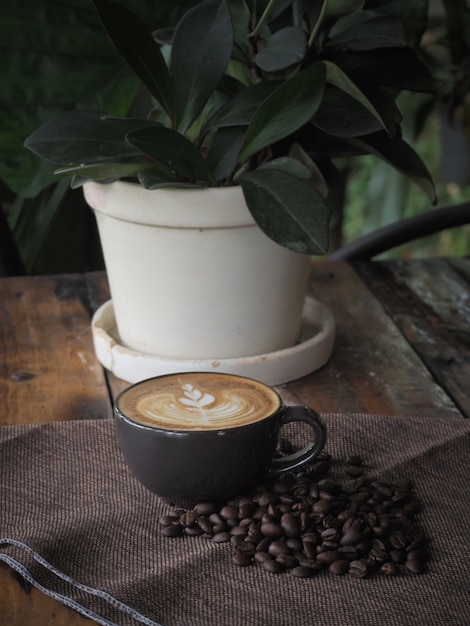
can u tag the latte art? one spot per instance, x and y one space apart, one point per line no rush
199 402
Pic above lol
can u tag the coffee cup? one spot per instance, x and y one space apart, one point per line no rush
202 436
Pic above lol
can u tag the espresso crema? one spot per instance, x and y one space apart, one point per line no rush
201 401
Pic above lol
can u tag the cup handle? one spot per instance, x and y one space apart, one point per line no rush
309 453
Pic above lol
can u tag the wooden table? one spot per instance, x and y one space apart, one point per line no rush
402 348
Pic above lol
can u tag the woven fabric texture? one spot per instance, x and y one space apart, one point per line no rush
76 524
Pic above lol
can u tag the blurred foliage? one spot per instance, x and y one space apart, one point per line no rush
55 56
358 220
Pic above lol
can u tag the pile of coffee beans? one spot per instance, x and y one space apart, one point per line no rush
329 516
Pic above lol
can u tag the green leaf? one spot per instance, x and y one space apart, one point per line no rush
283 48
104 171
223 151
85 137
153 179
240 109
402 157
288 209
413 15
291 106
289 165
335 8
316 177
267 11
171 150
201 51
135 43
367 30
335 76
341 115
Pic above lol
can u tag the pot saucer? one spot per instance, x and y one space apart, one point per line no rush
274 368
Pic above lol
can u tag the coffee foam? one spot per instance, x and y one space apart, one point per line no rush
198 401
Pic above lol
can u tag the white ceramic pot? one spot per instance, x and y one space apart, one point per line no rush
191 274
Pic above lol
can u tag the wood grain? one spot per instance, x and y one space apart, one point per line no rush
48 369
373 367
429 301
23 605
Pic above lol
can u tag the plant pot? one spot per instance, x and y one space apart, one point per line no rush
192 276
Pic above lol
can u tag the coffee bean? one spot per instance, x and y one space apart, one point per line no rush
397 556
330 534
414 566
205 525
321 506
192 531
294 543
328 484
363 546
273 566
339 567
397 540
329 556
278 547
290 525
309 520
354 470
188 518
267 497
358 568
309 549
379 532
262 556
302 571
242 559
271 529
287 560
384 490
216 519
351 553
254 533
245 509
351 536
204 509
417 555
219 528
172 531
264 544
240 544
389 569
377 555
228 512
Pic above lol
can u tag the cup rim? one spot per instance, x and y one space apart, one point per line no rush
186 431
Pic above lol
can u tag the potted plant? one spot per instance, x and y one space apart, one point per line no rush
251 103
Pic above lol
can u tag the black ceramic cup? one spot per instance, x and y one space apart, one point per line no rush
199 436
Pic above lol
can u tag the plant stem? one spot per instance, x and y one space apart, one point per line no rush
318 23
255 32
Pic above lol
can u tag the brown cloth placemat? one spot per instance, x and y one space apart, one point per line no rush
77 525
